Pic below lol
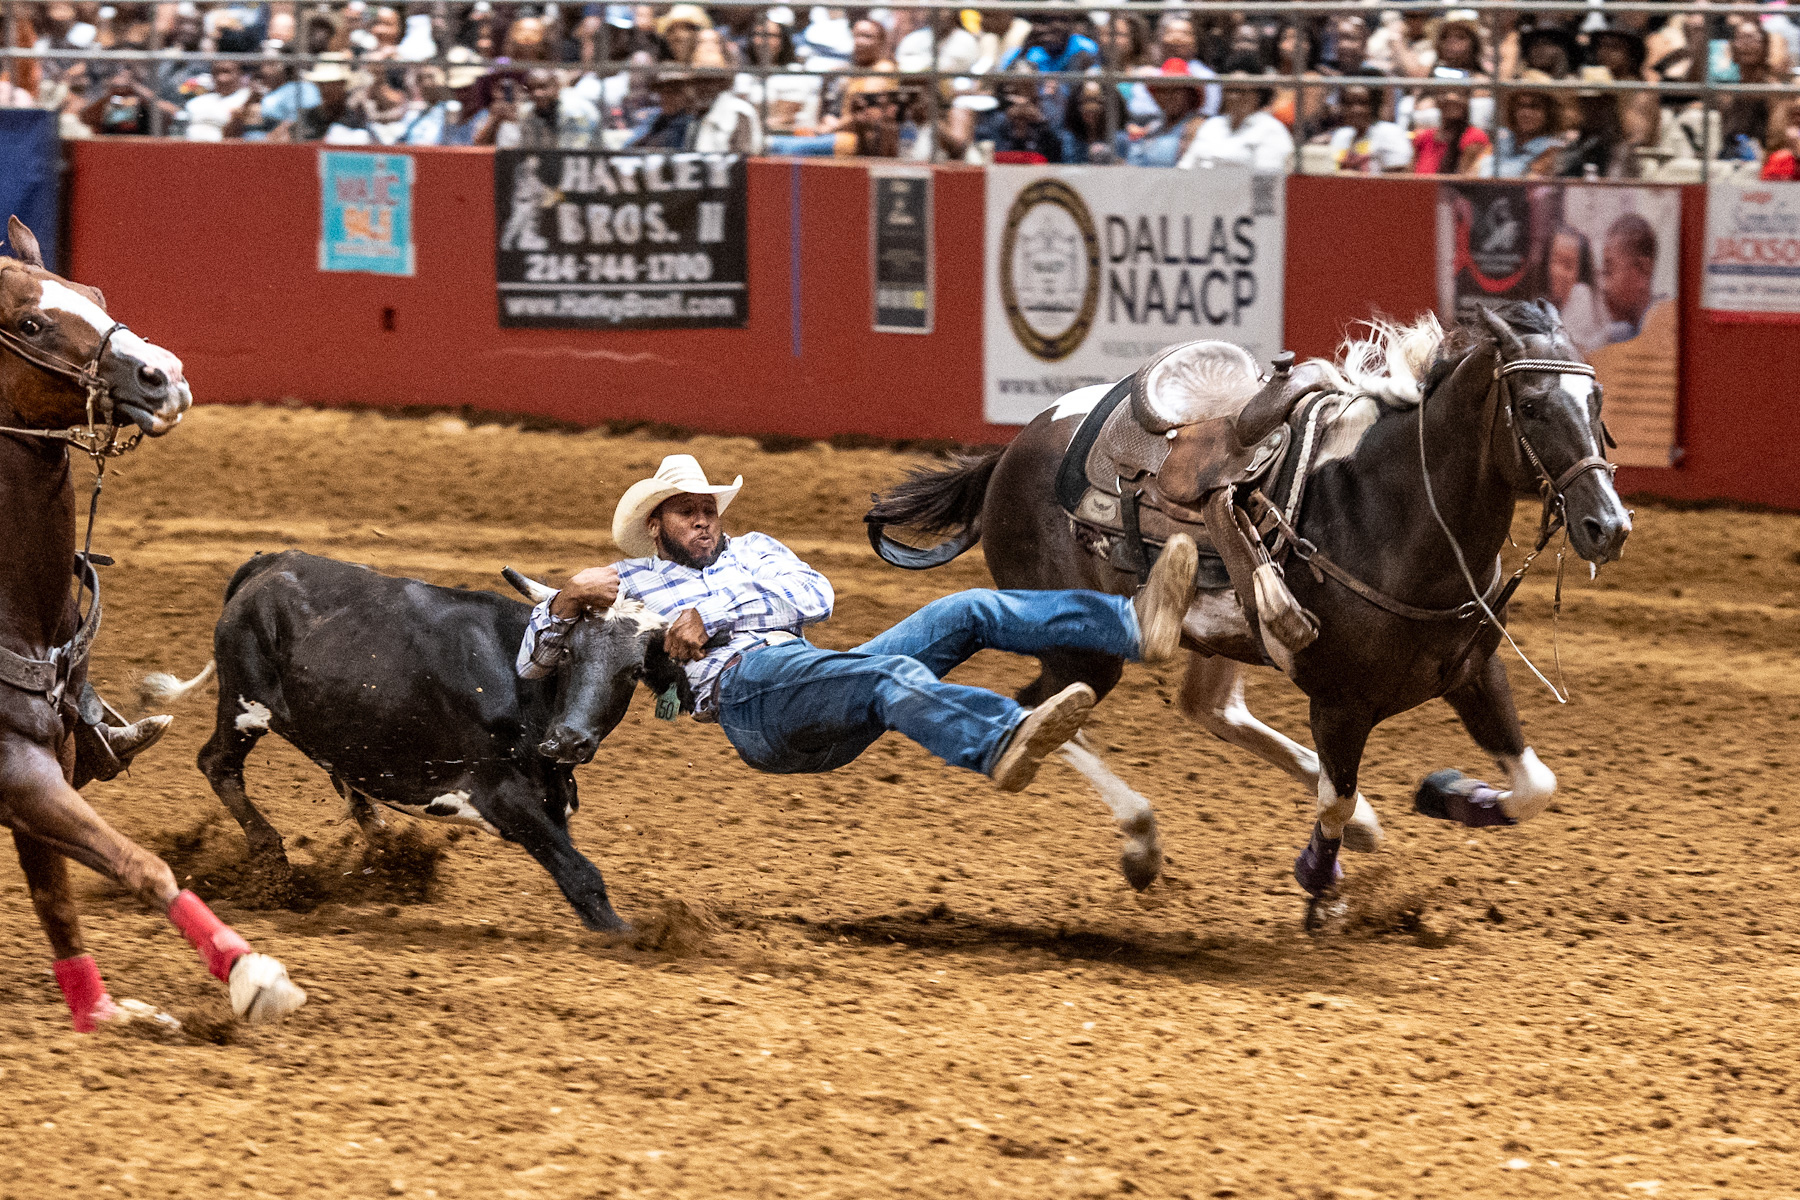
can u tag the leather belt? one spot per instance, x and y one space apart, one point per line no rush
707 711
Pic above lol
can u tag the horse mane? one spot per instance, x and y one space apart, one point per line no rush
1398 363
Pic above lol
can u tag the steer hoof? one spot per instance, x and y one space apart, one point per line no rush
261 990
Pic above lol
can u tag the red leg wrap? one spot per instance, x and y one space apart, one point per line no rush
83 988
218 943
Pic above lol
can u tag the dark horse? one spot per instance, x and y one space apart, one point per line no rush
71 375
1469 421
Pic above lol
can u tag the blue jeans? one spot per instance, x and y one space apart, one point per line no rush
795 708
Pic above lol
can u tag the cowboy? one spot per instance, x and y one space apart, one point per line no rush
736 608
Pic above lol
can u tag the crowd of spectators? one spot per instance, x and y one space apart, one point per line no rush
1185 85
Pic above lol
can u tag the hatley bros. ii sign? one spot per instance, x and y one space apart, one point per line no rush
620 241
1090 271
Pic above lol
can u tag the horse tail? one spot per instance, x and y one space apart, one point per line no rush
945 500
160 687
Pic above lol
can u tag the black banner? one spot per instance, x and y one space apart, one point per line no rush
900 212
620 241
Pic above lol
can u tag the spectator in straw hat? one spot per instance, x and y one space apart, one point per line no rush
734 609
679 29
727 122
668 125
338 117
453 113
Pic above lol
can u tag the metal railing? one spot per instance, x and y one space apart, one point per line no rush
935 87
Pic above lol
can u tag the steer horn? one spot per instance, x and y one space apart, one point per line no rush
531 589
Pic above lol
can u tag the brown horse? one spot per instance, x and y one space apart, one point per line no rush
71 375
1412 500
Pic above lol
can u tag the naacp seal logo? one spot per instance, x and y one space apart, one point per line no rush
1050 269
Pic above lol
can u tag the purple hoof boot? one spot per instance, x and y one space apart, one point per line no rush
1317 870
1453 796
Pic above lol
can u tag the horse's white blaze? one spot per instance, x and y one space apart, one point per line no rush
60 298
1080 402
254 716
1532 782
1580 387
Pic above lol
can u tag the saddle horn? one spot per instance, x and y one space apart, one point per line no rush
527 587
1270 406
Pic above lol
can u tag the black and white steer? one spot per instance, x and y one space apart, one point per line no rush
405 694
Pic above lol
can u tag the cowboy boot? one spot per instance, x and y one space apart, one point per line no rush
1044 728
1163 601
105 742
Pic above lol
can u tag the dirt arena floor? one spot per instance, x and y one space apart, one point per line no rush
892 980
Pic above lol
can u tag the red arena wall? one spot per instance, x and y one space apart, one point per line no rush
213 251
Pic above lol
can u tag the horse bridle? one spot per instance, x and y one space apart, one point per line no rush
98 441
1557 484
49 677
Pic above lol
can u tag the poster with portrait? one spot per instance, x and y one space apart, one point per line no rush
1752 265
365 212
1092 270
1608 258
648 240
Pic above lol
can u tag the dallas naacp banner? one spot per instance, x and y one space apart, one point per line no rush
1091 270
365 212
1608 258
620 241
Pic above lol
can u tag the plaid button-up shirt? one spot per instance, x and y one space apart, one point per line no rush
756 587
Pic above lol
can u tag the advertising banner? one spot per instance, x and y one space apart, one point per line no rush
620 241
365 211
1091 270
1752 270
900 239
1608 258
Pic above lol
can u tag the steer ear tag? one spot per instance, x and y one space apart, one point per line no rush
668 704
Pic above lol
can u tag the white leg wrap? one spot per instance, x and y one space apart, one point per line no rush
261 989
1533 784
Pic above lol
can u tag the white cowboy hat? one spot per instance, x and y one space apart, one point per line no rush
678 475
334 67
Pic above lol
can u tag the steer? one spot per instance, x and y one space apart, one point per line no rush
405 694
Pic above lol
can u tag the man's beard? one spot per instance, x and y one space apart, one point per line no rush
681 558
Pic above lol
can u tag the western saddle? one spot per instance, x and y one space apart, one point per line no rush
1174 447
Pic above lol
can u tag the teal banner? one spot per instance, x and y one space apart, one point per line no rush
365 208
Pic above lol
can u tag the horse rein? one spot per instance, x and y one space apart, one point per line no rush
49 677
1550 487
